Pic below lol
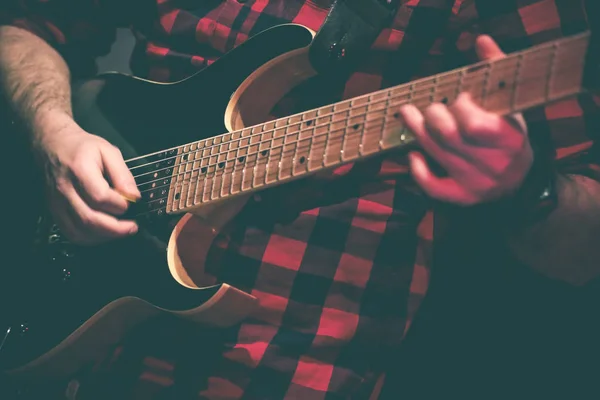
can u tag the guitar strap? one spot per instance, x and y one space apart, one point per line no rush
349 31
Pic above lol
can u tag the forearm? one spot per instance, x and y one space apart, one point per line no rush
34 78
566 244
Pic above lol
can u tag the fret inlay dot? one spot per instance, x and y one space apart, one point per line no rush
241 159
302 159
445 100
264 152
356 126
501 84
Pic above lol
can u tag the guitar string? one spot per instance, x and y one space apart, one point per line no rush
474 67
294 150
556 73
217 176
385 110
406 91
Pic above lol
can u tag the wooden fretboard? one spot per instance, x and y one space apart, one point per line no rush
287 148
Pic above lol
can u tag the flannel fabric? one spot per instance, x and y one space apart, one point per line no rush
340 283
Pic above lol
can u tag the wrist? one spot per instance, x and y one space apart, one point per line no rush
48 123
534 199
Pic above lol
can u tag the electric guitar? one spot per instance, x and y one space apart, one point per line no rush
227 149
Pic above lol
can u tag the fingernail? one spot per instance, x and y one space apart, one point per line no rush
129 197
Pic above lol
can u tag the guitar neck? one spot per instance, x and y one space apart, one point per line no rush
278 151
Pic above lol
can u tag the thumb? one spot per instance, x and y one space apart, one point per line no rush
120 176
487 48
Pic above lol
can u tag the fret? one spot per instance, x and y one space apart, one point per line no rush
207 154
337 129
473 80
287 161
531 87
344 137
446 90
237 161
288 157
352 145
302 151
220 161
174 186
253 149
501 80
359 106
391 131
238 166
486 81
262 160
227 179
324 120
213 184
400 95
249 170
196 163
333 148
200 162
273 151
433 90
515 84
272 162
186 167
318 147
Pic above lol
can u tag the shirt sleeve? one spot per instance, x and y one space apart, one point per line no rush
80 30
569 128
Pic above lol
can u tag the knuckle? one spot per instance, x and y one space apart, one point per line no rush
99 196
474 125
79 163
116 150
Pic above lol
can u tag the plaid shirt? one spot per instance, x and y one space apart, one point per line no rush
340 284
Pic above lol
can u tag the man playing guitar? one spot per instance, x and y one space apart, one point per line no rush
340 281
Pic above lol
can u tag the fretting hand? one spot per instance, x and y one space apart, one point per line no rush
486 156
86 179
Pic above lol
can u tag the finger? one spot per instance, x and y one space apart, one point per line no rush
443 189
93 187
97 223
451 162
443 129
119 175
487 48
484 129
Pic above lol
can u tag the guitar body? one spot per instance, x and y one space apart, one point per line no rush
70 304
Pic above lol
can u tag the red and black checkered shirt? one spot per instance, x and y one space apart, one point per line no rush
338 286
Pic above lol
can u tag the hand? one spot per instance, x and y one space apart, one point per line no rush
85 176
486 156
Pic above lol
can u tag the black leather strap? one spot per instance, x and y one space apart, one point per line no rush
348 33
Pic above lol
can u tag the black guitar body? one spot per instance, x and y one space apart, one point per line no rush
50 287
